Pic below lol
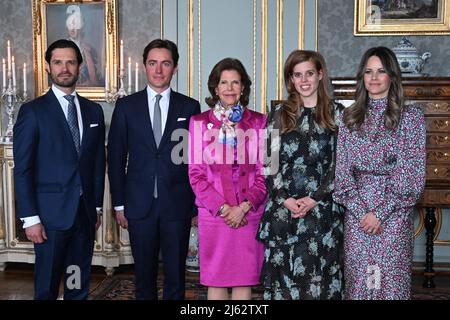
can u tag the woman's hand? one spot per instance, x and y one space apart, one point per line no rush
292 206
305 204
234 216
370 224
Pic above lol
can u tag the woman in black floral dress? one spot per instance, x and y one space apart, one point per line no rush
302 228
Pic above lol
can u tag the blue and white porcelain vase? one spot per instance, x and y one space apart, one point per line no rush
192 262
410 61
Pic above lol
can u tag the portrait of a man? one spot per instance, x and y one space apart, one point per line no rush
83 24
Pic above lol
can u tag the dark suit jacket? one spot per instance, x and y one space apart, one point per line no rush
48 175
131 139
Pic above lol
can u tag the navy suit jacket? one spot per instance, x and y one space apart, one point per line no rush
48 174
134 160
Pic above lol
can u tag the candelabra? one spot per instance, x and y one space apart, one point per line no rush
10 99
111 95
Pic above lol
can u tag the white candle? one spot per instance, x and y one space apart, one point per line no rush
24 78
4 73
13 65
121 58
136 78
115 76
129 74
9 55
106 79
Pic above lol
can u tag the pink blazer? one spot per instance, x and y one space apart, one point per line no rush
210 174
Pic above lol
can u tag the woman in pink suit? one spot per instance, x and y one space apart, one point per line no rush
225 171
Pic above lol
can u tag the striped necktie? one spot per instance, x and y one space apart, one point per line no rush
72 120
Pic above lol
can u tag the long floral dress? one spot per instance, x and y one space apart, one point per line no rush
381 171
303 256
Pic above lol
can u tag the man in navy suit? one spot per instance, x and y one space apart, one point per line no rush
59 154
151 194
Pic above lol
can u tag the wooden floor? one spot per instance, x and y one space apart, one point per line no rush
16 282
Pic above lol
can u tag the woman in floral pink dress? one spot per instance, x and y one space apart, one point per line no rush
380 175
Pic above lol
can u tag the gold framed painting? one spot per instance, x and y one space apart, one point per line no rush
401 17
92 25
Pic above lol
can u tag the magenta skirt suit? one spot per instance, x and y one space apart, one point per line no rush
228 257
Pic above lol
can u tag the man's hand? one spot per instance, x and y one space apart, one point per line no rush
194 221
36 233
121 220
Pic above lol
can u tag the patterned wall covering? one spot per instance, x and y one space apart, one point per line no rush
343 50
139 23
15 25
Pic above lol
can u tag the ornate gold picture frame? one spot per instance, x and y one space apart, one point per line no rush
401 17
92 24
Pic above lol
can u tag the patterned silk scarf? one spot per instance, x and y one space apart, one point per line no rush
229 118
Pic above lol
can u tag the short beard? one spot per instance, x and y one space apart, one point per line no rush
65 84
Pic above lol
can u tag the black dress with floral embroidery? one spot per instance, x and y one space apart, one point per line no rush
303 256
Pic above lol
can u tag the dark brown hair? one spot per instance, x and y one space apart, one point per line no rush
290 112
63 44
162 44
214 78
355 115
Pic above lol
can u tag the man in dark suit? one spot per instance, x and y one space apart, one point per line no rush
151 194
59 154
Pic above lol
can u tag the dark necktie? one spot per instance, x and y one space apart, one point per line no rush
157 133
72 120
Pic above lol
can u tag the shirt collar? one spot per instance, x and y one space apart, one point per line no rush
60 94
152 93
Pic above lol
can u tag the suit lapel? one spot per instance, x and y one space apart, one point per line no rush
172 115
86 123
143 117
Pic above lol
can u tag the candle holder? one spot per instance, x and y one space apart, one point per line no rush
10 99
112 95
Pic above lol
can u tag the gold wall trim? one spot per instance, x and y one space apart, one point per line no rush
190 80
161 18
316 44
279 49
301 24
263 56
